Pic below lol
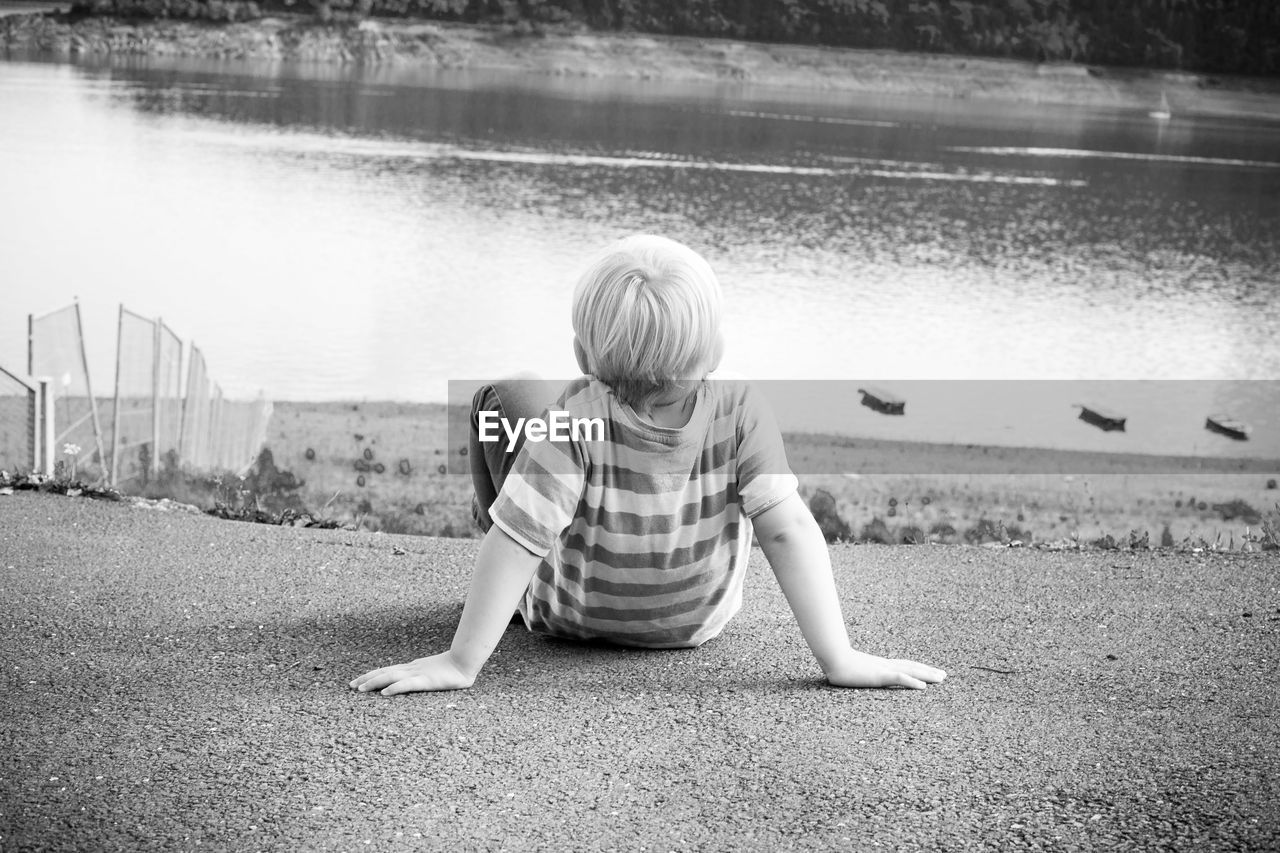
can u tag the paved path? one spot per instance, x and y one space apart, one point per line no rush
171 681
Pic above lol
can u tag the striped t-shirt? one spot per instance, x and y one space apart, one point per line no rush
646 532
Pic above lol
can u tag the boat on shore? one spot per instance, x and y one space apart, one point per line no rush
1103 419
1228 426
882 401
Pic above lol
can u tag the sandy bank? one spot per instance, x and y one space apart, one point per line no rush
386 465
640 57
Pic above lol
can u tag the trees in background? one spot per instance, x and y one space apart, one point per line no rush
1223 36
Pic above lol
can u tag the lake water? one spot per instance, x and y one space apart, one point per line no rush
336 233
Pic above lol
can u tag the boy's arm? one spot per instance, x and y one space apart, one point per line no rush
798 555
503 571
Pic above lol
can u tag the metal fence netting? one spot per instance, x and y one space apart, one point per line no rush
134 416
241 431
168 395
161 426
17 424
193 445
153 424
57 351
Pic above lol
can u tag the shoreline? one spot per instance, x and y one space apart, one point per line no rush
964 457
397 468
886 456
387 463
434 45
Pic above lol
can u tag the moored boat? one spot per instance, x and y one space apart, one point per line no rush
1103 419
882 401
1228 426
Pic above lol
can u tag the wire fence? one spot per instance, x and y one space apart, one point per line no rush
168 426
239 431
151 422
158 426
56 350
134 416
197 423
19 441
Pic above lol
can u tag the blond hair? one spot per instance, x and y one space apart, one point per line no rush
647 316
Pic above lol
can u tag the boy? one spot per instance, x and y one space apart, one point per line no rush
637 527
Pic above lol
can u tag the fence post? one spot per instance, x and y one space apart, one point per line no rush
155 399
88 388
115 408
34 404
44 406
33 422
182 416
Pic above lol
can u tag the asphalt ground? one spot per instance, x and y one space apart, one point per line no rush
173 681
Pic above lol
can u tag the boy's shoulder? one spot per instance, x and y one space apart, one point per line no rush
732 392
584 393
729 386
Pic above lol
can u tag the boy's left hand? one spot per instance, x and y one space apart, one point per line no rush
863 670
438 672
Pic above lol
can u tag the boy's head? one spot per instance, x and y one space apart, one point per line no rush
646 315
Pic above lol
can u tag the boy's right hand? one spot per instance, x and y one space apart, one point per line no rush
503 570
438 672
859 669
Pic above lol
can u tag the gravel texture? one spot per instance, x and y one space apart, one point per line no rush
172 681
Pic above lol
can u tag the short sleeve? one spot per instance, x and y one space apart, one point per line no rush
541 493
764 476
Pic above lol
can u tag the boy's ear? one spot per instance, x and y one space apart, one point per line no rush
581 355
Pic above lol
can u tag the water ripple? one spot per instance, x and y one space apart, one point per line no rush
638 160
1084 154
817 119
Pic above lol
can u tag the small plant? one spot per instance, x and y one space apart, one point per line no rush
72 452
825 512
912 535
1237 508
878 532
987 531
1199 544
1268 536
61 483
1106 542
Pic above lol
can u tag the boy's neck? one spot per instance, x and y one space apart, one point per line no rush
669 413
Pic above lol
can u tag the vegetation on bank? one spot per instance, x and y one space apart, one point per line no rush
926 514
269 496
1212 36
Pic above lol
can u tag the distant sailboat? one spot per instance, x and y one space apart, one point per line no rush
1164 113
